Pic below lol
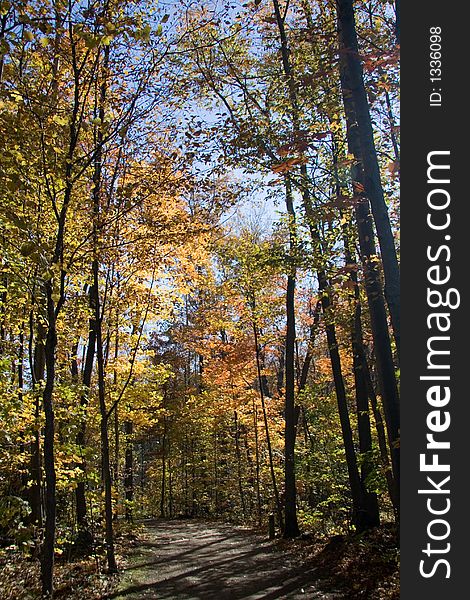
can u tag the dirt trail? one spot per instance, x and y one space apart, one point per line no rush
189 560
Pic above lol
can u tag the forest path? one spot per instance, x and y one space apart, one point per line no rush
197 560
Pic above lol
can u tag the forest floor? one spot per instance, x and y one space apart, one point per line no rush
198 560
191 560
204 560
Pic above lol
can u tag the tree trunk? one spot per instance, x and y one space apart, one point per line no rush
363 516
291 527
352 84
38 372
360 384
360 517
170 483
129 470
117 429
47 551
105 457
265 417
378 316
363 420
381 435
257 464
397 20
216 474
163 488
105 463
239 463
80 497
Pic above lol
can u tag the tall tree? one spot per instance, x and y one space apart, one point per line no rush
357 111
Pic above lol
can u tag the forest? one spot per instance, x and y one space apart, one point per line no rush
199 281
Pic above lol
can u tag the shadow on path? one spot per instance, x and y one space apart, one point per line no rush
195 560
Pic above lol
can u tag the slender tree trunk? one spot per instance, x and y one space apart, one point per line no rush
22 446
105 462
47 551
291 527
381 435
280 372
105 456
290 504
216 474
391 120
193 481
397 20
170 482
372 518
185 477
361 517
52 310
163 489
117 429
84 537
239 463
129 470
309 354
80 497
257 463
117 446
265 417
3 26
364 151
363 420
3 301
38 371
251 478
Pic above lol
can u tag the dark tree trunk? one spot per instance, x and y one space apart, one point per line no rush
3 302
397 20
257 464
363 419
38 372
265 417
239 463
216 474
185 475
355 100
105 456
22 447
290 507
291 527
57 282
129 470
381 435
105 462
163 488
360 381
117 428
47 551
309 354
170 482
361 517
280 372
80 497
194 503
378 315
